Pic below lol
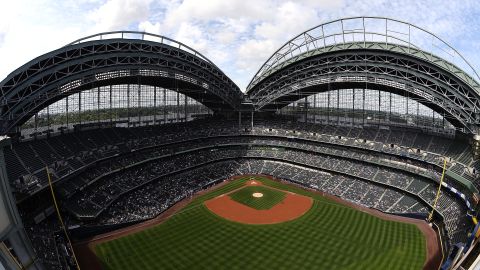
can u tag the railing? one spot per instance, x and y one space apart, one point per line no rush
380 30
142 36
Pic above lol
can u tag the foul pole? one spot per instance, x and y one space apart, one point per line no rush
438 191
60 217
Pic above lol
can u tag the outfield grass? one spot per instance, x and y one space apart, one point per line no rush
329 236
270 198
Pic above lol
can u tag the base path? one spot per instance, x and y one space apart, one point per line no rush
292 207
88 260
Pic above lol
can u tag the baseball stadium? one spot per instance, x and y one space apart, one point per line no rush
355 145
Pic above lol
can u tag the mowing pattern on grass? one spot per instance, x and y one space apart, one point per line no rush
329 236
270 197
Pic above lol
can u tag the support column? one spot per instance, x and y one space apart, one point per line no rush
363 107
98 104
338 107
406 100
164 105
178 106
186 108
239 120
353 107
80 107
328 107
418 110
11 225
111 105
66 110
154 105
390 108
306 109
48 120
379 105
139 107
252 120
128 105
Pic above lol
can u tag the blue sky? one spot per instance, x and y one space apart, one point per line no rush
237 35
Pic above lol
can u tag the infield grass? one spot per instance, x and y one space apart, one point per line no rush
328 236
270 197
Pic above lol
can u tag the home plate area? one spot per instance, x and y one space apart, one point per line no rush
255 203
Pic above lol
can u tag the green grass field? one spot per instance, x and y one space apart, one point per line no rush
270 198
328 236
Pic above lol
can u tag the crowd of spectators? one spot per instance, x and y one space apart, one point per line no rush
119 175
50 244
28 159
99 196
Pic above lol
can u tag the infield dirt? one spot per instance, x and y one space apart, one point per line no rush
291 207
88 259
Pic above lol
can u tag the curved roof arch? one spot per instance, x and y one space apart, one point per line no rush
376 52
108 59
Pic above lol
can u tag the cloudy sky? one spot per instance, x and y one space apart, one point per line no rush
237 35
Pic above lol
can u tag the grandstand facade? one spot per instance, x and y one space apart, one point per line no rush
361 108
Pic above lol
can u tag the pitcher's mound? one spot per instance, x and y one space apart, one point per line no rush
257 195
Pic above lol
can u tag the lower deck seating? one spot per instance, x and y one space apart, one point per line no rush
119 175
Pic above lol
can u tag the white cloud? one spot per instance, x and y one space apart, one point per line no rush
219 9
229 30
252 53
193 36
326 5
290 19
32 28
238 35
118 14
149 27
226 37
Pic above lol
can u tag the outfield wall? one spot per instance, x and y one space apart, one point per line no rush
421 216
83 232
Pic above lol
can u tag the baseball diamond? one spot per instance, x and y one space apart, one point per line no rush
257 204
257 196
213 242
